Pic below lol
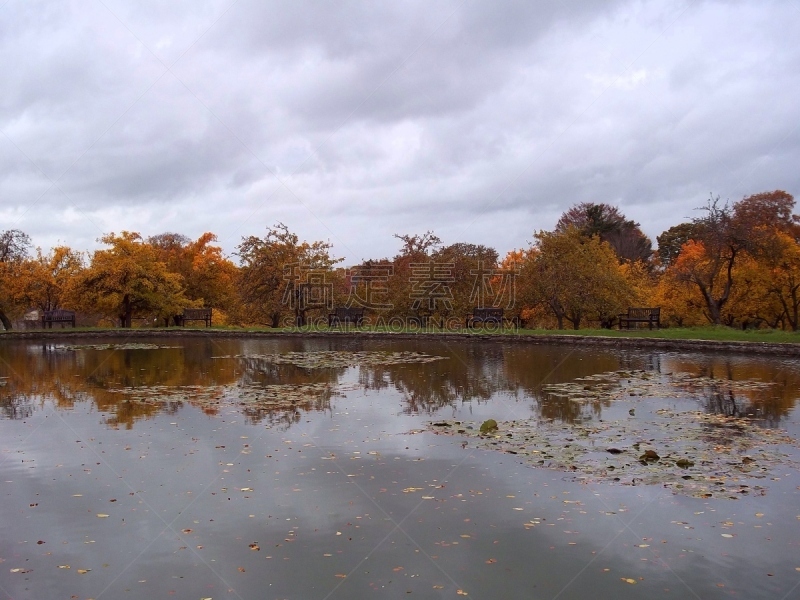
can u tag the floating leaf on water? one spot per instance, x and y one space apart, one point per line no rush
727 455
649 455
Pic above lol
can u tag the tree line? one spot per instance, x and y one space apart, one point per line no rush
734 264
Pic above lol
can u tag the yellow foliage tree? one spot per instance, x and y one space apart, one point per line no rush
127 279
278 269
782 258
47 280
578 278
14 245
208 276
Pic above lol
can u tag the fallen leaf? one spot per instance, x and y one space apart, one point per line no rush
628 580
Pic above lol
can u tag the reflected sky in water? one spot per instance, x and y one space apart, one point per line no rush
343 497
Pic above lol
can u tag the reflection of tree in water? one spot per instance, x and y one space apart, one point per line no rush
473 371
126 413
478 371
470 373
528 369
555 408
724 397
16 406
46 372
319 401
255 371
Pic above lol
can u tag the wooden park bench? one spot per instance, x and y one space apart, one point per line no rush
57 316
483 316
651 316
346 315
196 314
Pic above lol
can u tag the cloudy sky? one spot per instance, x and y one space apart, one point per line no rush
353 121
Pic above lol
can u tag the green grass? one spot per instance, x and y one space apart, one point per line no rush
724 334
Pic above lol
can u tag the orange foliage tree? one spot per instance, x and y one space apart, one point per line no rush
209 278
14 247
128 279
47 280
273 269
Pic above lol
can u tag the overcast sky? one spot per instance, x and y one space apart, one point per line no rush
351 121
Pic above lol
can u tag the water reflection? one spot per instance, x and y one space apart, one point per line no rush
34 374
766 406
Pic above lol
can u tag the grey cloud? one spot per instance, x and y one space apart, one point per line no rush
354 121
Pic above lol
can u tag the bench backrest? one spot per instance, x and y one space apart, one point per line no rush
349 313
487 313
644 313
58 315
197 313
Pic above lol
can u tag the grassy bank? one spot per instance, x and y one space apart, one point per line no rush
720 334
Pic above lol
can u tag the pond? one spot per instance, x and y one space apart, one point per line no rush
357 468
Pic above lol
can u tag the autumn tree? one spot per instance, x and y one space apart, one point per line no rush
14 249
275 269
707 260
47 281
767 211
607 222
725 235
128 279
781 257
417 286
577 278
418 245
470 271
672 240
208 276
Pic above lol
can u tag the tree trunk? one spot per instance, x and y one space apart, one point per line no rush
5 321
127 315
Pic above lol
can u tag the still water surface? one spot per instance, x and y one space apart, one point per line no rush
200 469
